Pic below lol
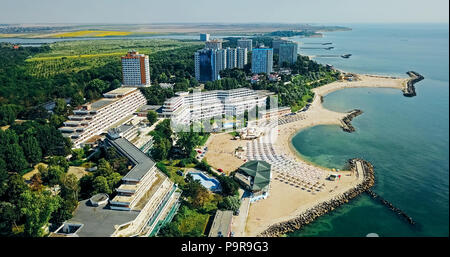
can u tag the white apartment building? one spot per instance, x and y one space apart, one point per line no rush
135 70
220 62
241 57
96 118
245 43
231 58
189 107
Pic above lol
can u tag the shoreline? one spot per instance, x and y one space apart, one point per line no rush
257 222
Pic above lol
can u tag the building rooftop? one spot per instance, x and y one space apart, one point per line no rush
259 171
100 103
99 221
221 226
141 162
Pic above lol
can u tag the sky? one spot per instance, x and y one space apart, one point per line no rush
224 11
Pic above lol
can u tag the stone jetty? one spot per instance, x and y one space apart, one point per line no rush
346 124
322 208
391 206
409 90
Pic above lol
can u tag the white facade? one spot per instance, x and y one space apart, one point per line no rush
241 57
186 108
245 43
135 70
95 118
231 58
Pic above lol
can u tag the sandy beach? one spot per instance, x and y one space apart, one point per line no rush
286 201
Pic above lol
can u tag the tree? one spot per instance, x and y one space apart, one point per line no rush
100 185
52 175
31 149
113 180
229 185
78 154
37 208
60 107
152 117
187 141
57 120
3 177
36 182
59 161
103 168
161 149
69 187
64 212
230 203
16 159
8 218
97 85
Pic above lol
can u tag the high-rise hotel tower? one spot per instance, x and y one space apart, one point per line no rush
135 70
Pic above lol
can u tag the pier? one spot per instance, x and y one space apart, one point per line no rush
391 206
410 90
325 48
346 121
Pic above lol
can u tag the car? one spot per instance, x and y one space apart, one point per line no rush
219 170
198 151
236 213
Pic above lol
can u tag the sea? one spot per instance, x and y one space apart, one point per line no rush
406 139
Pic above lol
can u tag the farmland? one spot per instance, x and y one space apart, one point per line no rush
74 56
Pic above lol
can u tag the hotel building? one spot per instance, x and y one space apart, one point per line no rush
204 37
241 57
213 44
96 118
262 60
276 45
145 201
231 58
135 70
245 43
209 63
189 107
288 53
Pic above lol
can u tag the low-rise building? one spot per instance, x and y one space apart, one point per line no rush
255 176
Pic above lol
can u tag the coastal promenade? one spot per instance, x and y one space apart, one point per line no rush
287 202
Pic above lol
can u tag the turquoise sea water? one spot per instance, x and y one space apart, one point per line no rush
406 139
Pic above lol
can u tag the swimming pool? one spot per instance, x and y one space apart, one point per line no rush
210 183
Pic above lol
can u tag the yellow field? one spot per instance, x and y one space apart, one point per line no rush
2 35
74 56
92 33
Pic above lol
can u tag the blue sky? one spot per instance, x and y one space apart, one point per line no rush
223 11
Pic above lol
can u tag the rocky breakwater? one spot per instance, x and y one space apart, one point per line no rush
346 124
322 208
391 207
409 90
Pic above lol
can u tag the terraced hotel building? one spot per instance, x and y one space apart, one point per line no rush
95 118
188 107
